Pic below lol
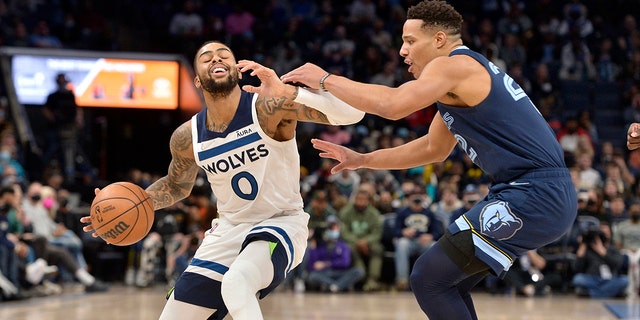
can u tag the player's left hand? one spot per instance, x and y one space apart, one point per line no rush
633 136
347 158
87 220
270 86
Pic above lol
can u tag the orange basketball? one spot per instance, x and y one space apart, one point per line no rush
122 213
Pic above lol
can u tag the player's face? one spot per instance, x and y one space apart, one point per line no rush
216 69
417 48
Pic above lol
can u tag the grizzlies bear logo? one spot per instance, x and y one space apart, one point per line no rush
498 222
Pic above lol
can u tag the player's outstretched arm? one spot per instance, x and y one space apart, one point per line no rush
633 136
436 80
308 105
432 147
179 181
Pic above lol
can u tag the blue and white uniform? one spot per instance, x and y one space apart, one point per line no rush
532 200
256 182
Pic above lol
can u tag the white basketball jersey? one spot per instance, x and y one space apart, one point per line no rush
253 176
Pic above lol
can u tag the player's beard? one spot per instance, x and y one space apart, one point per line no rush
220 88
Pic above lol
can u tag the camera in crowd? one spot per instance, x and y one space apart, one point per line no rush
589 236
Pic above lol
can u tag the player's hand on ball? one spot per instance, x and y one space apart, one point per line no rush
87 220
122 213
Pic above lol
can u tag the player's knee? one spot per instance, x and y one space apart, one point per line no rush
425 277
239 283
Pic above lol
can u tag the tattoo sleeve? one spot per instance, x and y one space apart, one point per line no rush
290 110
177 184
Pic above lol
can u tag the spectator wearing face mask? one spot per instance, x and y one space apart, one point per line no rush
470 196
329 260
37 211
417 229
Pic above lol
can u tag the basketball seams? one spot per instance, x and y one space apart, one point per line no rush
137 198
119 215
133 225
131 187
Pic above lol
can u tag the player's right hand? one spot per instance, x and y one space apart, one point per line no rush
270 85
347 158
633 136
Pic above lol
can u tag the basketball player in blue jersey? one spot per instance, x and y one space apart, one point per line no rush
532 200
245 143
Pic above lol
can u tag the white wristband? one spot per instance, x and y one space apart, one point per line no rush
337 111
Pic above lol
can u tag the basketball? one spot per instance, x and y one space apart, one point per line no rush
122 213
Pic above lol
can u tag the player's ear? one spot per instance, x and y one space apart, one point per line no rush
196 82
440 38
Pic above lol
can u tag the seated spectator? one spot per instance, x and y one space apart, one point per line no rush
470 196
319 210
186 23
346 182
570 135
417 229
598 265
447 204
337 135
179 260
589 177
329 260
527 275
36 209
33 249
7 158
179 241
362 230
616 208
576 61
626 237
42 37
10 288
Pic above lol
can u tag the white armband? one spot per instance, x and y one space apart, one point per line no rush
337 111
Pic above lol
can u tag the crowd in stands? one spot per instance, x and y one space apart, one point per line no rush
367 226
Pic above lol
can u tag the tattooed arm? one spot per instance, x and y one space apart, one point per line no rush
177 184
179 181
278 116
299 103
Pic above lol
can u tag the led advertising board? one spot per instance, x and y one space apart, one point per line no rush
98 82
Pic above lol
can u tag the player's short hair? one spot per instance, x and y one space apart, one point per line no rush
437 14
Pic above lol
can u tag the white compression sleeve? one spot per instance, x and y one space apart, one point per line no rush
251 271
337 111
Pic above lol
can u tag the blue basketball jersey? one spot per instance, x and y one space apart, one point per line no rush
492 134
532 200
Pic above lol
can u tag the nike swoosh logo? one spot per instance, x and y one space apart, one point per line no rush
515 183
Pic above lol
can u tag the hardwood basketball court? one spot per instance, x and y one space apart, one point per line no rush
128 303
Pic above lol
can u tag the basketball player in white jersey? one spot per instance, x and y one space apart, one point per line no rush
246 145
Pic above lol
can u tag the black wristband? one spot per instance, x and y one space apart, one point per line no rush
326 75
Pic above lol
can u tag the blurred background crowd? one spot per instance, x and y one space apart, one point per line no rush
578 60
